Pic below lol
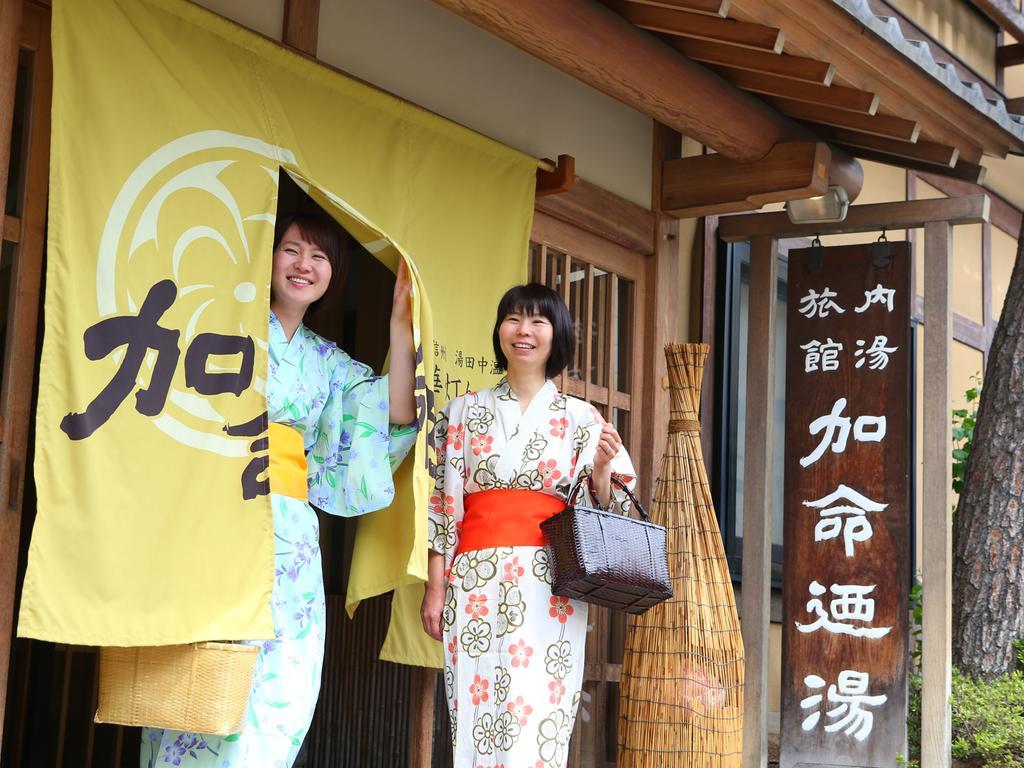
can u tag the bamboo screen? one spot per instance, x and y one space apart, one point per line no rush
681 700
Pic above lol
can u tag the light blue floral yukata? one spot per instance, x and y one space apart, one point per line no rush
341 409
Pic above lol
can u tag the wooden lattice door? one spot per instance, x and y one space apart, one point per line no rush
603 284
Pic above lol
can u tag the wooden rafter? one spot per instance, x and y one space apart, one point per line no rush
925 151
796 67
700 26
1010 55
837 96
962 169
869 62
713 7
711 184
888 126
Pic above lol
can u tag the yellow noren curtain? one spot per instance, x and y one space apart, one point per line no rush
170 126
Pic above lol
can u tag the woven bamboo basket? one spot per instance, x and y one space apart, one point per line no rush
681 695
201 688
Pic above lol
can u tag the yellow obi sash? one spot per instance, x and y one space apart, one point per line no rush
288 473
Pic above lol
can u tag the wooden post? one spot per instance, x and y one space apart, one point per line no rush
301 25
10 34
937 556
757 497
10 520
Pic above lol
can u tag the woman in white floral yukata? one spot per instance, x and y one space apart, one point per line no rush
326 406
506 458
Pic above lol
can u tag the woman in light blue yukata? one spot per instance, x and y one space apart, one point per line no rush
343 418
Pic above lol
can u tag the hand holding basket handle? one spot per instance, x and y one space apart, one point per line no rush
574 491
607 559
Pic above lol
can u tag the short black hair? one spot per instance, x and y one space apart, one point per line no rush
537 299
328 235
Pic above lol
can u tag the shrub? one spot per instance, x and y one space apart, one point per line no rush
988 721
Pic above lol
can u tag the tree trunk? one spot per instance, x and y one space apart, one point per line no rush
988 531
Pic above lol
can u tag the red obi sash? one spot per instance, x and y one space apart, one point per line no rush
506 518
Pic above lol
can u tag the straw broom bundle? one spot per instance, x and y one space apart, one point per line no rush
681 695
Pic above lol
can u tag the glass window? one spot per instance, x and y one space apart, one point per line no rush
732 406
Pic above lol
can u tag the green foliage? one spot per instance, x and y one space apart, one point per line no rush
963 433
988 721
916 616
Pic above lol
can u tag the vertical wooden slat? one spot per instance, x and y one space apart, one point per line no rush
566 274
421 716
708 335
757 497
936 557
64 654
988 322
611 340
588 325
301 25
542 267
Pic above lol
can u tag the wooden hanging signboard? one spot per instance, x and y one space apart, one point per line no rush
847 506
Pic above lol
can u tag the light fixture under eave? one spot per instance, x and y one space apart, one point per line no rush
827 208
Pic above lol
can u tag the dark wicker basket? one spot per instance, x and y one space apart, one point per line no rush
607 559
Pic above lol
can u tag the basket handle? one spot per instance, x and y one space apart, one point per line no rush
570 500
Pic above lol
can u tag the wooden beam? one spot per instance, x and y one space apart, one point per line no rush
712 184
937 555
972 209
301 25
837 96
1015 106
784 65
758 497
925 151
603 213
714 7
699 26
889 126
960 170
561 179
1010 55
1004 13
1004 215
600 48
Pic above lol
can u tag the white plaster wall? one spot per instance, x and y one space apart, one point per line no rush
428 55
263 16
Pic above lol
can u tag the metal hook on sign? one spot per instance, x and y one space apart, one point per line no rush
881 253
816 255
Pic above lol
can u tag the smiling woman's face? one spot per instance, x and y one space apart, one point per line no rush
302 272
525 340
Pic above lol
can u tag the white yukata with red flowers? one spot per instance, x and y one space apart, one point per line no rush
513 651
